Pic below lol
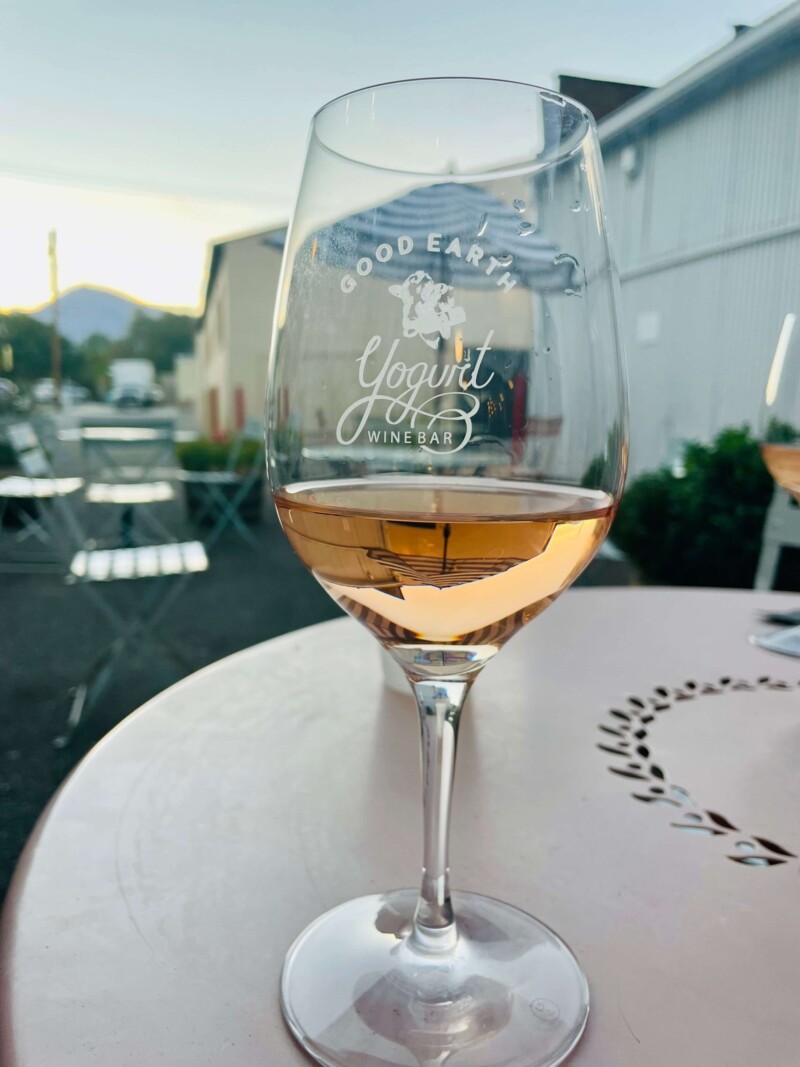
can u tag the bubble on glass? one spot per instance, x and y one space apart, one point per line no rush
483 222
525 229
576 206
572 292
565 257
506 260
583 167
519 206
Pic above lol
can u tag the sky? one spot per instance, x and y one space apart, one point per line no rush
140 132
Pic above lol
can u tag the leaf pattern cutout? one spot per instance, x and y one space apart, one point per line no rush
634 725
694 828
611 730
613 751
720 820
756 861
772 847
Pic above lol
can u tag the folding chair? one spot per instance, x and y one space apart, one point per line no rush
101 439
160 563
35 491
169 566
219 504
135 501
106 442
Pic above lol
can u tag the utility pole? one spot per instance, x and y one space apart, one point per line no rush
55 339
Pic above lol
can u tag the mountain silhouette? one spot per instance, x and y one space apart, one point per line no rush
85 310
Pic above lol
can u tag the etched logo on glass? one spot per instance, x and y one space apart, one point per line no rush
427 310
429 403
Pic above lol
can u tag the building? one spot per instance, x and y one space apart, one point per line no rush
599 95
233 338
704 209
185 381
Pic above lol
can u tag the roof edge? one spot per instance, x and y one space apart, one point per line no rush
778 29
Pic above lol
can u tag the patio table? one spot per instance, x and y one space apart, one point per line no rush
628 773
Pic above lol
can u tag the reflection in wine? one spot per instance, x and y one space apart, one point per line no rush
449 561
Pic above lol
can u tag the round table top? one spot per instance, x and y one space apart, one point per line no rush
627 773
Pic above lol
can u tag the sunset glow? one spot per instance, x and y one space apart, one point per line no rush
150 247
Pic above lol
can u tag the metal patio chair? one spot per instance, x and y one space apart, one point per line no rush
224 492
132 491
107 441
172 563
135 502
169 566
34 493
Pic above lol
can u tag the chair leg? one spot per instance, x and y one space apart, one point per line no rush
32 527
140 630
229 515
767 566
78 694
86 694
127 533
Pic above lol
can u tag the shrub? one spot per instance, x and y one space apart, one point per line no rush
703 528
207 455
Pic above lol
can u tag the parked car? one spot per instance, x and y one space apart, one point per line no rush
133 383
73 393
44 392
130 396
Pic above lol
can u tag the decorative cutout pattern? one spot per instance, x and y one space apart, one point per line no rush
626 736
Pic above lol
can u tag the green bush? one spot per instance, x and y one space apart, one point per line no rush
703 528
208 455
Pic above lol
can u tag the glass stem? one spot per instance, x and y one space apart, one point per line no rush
439 704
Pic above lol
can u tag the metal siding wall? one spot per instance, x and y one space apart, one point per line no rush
725 171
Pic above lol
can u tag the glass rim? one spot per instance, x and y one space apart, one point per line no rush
508 169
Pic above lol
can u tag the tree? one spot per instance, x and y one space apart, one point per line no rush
31 342
158 339
95 355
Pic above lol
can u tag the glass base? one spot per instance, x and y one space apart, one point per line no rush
356 991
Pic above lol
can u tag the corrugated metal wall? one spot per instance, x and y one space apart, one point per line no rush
707 237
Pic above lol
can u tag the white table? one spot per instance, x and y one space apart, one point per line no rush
151 911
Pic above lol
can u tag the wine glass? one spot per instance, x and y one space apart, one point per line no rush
779 436
447 436
779 426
